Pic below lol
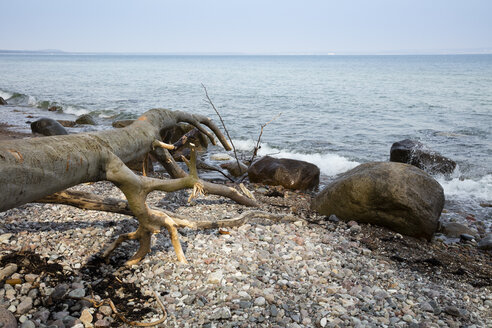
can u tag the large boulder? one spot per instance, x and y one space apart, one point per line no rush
48 127
398 196
2 101
415 153
290 173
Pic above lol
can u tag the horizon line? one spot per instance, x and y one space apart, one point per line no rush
474 51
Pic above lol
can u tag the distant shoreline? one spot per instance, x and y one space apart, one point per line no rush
245 54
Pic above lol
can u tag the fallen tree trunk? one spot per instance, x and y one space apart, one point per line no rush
31 169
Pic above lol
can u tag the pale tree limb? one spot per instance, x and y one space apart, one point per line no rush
158 218
151 220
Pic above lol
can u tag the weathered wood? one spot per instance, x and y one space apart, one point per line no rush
31 169
38 167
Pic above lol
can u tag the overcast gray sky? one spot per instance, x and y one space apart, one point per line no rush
253 26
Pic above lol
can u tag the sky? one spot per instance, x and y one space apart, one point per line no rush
253 26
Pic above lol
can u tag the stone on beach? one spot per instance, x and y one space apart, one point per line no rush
66 123
415 153
48 127
7 271
394 195
289 173
7 319
85 119
455 230
486 242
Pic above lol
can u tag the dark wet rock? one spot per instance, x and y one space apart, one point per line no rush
333 218
3 102
48 127
66 123
55 109
7 319
466 237
289 173
455 230
414 153
486 242
122 123
234 169
394 195
85 119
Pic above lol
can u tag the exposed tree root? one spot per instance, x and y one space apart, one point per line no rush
157 218
151 220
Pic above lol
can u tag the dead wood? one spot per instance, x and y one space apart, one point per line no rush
31 169
223 124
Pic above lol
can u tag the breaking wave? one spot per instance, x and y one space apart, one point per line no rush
5 94
328 163
480 190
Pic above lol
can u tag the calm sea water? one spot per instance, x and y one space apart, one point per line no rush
336 111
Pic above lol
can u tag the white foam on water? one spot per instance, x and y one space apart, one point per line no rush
31 101
329 164
465 189
5 95
74 110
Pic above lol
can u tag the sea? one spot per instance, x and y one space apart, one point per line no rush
334 111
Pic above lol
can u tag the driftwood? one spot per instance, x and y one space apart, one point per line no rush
35 169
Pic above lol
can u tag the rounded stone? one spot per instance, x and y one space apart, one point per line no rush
398 196
7 319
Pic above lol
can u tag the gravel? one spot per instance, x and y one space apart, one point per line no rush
264 274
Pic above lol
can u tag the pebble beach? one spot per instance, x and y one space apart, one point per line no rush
309 271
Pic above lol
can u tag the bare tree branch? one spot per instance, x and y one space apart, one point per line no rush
223 124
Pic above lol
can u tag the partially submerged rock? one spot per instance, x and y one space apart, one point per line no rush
414 153
85 119
55 109
48 127
394 195
289 173
3 101
67 123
